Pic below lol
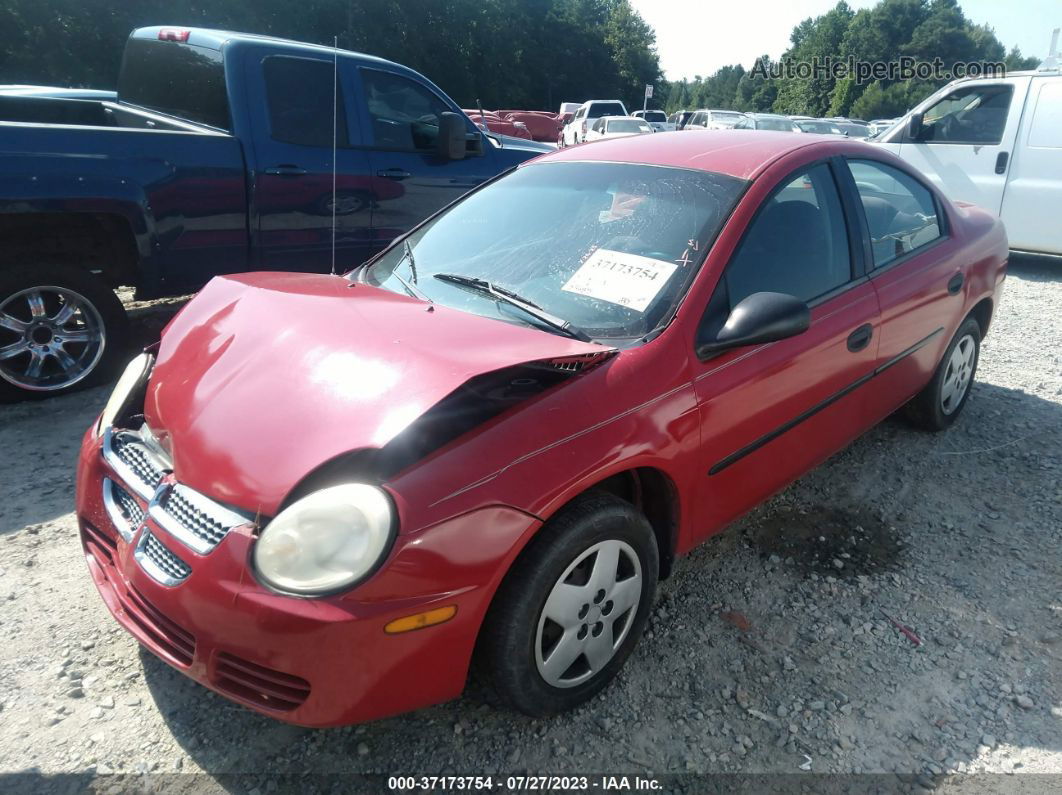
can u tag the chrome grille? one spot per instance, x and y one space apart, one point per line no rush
125 512
140 468
158 561
128 505
192 518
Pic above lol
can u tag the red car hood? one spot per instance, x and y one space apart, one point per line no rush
265 376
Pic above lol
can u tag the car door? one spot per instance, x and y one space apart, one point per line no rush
770 412
410 180
967 138
916 272
1034 184
292 177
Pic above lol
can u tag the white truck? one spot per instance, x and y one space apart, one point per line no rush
995 142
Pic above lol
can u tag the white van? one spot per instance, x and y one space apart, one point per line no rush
995 142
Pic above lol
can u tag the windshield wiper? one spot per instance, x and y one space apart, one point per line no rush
416 292
412 262
521 303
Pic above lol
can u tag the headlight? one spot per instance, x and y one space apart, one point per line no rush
135 372
326 541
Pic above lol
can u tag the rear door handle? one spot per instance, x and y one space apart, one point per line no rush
286 170
955 283
860 338
393 173
1001 162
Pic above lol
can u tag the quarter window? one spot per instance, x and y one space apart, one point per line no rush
901 213
973 115
404 114
797 244
299 96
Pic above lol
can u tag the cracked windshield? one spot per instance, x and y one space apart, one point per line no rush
592 250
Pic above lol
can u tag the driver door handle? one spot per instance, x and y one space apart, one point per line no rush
860 338
393 173
286 170
1001 162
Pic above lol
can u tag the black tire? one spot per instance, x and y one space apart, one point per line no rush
92 368
506 654
928 409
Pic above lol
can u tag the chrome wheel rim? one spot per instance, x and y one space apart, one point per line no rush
50 338
588 613
957 374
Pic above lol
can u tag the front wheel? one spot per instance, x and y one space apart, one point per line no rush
61 329
939 404
571 610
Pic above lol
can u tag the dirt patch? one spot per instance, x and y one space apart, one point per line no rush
828 541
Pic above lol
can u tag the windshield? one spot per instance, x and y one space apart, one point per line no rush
782 125
608 247
655 115
627 126
817 127
727 117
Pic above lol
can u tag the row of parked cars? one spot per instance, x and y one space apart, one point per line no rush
598 119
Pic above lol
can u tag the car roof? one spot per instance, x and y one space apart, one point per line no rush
736 153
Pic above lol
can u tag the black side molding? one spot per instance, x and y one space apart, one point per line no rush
736 456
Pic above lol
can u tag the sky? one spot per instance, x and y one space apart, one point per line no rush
696 37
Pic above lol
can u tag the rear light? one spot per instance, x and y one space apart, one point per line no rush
174 34
583 126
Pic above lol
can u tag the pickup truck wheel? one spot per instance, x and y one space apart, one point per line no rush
939 404
572 608
61 329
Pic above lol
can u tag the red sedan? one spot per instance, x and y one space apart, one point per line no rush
325 496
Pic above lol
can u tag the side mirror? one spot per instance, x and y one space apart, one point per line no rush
451 142
759 318
914 127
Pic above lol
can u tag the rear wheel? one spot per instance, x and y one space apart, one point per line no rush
939 404
61 329
572 609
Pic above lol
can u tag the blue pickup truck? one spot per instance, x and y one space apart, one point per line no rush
215 156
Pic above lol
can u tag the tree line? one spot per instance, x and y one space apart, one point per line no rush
505 53
919 30
521 53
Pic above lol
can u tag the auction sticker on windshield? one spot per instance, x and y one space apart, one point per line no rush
625 279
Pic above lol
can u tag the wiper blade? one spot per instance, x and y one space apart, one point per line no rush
410 259
514 299
416 292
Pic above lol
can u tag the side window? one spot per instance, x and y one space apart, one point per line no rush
1046 128
404 114
299 96
797 244
599 125
901 213
970 115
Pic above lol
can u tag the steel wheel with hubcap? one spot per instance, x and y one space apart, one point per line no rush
939 403
588 614
57 330
572 608
958 374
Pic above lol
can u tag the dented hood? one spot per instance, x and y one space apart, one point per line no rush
265 376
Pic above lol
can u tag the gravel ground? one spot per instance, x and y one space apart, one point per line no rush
774 648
